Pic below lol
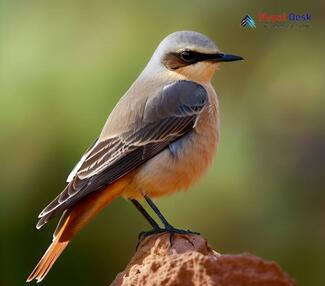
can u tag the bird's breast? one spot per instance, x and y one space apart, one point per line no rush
186 159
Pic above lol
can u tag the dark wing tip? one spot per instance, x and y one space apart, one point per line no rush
43 220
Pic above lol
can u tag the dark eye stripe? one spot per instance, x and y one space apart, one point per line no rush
174 61
188 56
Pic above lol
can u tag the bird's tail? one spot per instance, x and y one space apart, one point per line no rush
47 261
71 222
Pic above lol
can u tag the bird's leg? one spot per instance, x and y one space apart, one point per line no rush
167 226
147 216
155 227
157 212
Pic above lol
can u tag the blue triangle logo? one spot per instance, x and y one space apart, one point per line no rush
248 22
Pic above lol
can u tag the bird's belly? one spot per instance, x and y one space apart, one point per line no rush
179 166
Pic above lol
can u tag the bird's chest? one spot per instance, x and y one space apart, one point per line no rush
200 145
195 152
186 159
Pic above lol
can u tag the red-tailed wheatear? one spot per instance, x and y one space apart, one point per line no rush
160 138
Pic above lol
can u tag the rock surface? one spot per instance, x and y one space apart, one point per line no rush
191 261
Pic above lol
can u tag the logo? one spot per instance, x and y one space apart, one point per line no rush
284 20
284 17
248 21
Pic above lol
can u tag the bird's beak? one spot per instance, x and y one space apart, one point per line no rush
220 57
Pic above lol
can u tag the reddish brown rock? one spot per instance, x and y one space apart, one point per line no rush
191 261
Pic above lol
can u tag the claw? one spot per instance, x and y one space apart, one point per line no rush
169 229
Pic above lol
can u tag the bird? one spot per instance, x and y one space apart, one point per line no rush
160 138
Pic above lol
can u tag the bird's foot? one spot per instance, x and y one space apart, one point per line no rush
168 229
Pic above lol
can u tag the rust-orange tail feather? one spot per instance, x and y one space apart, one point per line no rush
72 222
47 261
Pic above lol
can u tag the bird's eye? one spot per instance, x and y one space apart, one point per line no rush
188 56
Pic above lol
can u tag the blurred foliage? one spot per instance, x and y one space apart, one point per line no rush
65 64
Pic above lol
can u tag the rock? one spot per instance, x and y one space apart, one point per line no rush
191 261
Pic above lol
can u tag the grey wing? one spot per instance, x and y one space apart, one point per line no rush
81 161
167 117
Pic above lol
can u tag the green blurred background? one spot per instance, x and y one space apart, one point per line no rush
65 64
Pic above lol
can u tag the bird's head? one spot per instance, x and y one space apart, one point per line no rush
192 55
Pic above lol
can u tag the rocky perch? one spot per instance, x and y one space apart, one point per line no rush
191 261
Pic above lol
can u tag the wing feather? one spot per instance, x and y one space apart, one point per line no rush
167 116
